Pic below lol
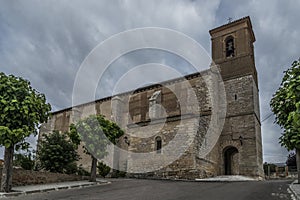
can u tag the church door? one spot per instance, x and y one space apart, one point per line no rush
231 161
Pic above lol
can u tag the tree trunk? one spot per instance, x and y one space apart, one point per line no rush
298 163
93 169
6 181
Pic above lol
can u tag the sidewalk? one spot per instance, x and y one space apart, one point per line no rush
295 188
236 178
29 189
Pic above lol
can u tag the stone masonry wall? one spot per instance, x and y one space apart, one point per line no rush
27 177
241 129
176 99
131 112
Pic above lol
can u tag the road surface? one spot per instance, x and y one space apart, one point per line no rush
132 189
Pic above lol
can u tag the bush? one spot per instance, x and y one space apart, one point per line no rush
103 169
118 174
71 168
82 172
121 174
23 161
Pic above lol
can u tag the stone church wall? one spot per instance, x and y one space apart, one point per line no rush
212 120
180 115
242 126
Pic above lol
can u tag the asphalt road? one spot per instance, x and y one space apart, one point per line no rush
152 189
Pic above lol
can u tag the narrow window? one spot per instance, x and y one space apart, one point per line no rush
235 97
158 144
229 47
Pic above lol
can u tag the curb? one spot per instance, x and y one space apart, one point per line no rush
208 180
19 193
229 179
293 191
225 181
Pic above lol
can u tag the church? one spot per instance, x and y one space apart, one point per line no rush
202 125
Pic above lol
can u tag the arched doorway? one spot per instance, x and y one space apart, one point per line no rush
231 161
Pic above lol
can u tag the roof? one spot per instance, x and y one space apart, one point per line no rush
234 23
149 87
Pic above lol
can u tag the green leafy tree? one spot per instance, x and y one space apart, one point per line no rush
96 132
57 153
22 109
285 105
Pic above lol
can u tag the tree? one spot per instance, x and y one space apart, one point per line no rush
291 160
96 132
22 109
285 105
57 153
269 168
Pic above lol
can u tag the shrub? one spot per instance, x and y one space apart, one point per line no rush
82 172
103 169
23 161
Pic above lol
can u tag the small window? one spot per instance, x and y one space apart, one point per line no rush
230 47
158 144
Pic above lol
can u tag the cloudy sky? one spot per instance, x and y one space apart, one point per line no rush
46 42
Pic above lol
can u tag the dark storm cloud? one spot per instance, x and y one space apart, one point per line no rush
46 41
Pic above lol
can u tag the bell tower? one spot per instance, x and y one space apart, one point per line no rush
240 147
232 49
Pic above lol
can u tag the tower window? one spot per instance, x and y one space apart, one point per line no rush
158 144
229 47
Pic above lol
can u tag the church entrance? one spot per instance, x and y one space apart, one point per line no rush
231 161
